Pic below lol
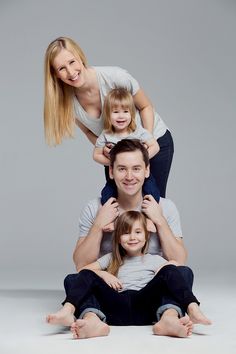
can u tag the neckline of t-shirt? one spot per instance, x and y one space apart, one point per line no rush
100 93
130 258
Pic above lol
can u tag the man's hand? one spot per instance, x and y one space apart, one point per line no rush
152 209
111 280
109 227
107 213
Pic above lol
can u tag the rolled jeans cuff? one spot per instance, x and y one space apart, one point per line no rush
97 312
163 308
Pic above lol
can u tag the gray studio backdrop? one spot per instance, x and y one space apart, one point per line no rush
183 54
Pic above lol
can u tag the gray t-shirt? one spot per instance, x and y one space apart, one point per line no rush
110 77
169 210
140 133
137 271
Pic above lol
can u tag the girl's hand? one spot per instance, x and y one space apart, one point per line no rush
111 280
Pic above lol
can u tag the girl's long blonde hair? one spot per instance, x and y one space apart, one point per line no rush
118 97
59 119
123 226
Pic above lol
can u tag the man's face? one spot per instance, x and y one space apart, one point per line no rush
129 172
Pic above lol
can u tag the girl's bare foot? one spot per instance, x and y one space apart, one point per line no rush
90 326
171 325
64 317
196 315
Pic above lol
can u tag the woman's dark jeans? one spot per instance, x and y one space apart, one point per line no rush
130 307
160 164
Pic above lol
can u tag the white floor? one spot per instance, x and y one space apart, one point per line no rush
23 329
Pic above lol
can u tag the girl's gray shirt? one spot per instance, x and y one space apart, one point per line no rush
137 271
140 133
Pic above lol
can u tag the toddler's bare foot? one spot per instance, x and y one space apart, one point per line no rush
196 315
64 317
90 326
171 325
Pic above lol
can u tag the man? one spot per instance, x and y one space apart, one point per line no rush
129 166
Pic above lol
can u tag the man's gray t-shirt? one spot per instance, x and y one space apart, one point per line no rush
110 77
137 271
169 210
140 133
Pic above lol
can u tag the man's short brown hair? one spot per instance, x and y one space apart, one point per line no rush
129 145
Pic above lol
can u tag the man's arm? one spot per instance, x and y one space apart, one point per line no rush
88 247
172 245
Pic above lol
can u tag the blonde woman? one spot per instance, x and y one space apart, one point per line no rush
75 93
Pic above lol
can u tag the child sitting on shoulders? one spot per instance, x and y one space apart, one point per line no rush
119 123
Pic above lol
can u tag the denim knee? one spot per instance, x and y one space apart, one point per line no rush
187 274
71 278
86 273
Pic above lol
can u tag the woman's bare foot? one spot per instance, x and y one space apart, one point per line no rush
196 315
90 326
171 325
64 317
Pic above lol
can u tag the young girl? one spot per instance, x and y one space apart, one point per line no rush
129 284
119 123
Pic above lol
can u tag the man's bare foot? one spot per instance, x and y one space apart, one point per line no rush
90 326
171 325
196 315
64 317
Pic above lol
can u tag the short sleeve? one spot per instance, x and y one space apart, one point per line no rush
87 217
144 134
172 216
158 261
104 261
101 141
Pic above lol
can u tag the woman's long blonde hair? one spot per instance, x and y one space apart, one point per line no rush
118 97
123 226
59 119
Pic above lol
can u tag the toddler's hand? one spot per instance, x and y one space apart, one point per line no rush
107 148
